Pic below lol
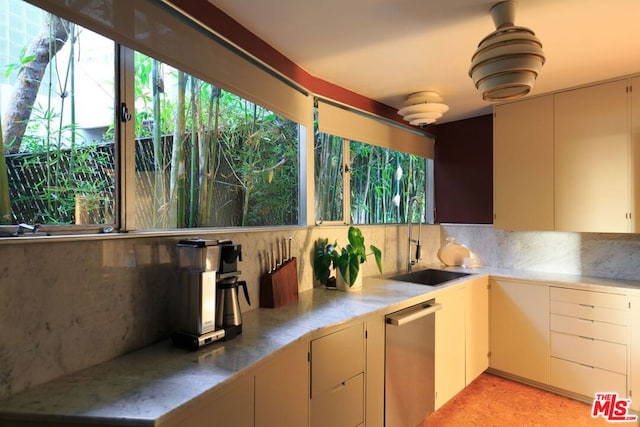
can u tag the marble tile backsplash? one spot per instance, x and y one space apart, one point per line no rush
68 305
613 256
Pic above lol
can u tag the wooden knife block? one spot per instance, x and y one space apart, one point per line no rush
280 287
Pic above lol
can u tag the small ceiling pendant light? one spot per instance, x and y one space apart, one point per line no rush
508 60
423 108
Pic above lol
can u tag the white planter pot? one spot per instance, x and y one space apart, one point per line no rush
341 285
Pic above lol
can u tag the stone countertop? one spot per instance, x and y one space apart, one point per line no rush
147 385
559 279
142 387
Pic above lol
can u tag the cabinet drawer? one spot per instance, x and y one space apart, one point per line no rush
589 328
589 351
596 299
336 357
585 380
589 312
340 406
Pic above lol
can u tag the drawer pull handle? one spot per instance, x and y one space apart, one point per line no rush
586 366
587 338
339 387
587 305
586 320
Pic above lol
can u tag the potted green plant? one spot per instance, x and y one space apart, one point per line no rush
346 260
322 262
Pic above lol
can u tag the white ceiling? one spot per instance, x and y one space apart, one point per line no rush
387 49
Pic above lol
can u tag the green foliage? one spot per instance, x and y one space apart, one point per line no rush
59 172
322 261
346 260
328 161
236 158
373 183
23 60
241 159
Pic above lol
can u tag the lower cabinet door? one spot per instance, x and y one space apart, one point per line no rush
477 328
345 345
585 380
342 406
281 389
520 329
634 383
231 405
450 345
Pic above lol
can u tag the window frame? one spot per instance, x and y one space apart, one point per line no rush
22 230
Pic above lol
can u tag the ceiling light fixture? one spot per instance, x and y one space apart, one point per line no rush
423 108
508 60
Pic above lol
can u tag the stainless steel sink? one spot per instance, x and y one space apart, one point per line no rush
430 277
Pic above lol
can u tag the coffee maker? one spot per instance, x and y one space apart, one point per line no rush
228 313
199 262
208 282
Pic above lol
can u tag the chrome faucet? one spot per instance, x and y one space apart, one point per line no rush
411 262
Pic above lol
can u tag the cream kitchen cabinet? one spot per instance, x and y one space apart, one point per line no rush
634 352
450 344
230 405
519 328
374 370
569 161
592 180
477 328
635 153
588 341
281 388
273 394
462 337
523 165
337 378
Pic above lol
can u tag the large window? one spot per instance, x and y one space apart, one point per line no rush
56 104
207 157
382 183
367 170
379 183
202 155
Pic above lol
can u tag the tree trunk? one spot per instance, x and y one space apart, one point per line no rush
194 167
364 217
178 177
158 158
51 39
210 137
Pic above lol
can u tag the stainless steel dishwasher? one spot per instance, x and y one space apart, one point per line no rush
409 392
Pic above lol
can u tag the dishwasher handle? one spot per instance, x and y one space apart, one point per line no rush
402 318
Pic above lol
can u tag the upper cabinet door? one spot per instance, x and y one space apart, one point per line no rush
592 167
523 165
635 154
